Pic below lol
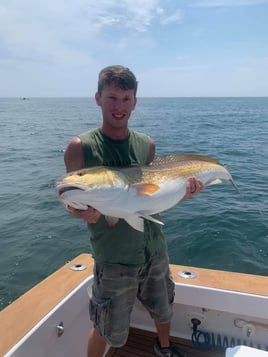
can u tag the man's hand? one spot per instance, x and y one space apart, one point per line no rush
91 215
193 186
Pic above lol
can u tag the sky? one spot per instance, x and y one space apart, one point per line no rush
176 48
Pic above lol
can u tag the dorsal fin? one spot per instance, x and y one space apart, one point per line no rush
173 159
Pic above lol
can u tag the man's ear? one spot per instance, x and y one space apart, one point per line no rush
135 102
97 98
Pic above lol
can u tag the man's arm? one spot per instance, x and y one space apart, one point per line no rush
73 156
151 150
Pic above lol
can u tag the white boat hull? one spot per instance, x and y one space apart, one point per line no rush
229 317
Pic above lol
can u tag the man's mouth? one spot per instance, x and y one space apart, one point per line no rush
119 116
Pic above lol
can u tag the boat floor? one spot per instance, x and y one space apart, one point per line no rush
140 344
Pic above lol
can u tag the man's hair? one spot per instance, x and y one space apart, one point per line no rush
119 76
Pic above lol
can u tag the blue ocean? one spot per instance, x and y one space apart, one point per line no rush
218 229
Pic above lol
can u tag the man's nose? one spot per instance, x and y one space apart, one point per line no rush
119 104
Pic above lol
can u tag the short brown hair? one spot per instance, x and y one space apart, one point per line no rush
118 75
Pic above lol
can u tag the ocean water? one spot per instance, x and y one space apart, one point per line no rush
218 229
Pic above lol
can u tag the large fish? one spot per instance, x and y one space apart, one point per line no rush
137 192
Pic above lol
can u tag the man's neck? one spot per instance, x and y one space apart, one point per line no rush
115 133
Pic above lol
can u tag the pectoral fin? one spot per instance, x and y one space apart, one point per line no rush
146 189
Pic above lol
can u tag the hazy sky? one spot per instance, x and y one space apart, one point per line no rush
175 47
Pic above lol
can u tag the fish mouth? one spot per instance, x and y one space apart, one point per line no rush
67 194
64 189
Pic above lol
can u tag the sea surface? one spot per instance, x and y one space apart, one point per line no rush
218 229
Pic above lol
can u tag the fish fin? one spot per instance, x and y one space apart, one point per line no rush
136 222
152 219
214 182
111 221
146 189
234 185
201 158
176 159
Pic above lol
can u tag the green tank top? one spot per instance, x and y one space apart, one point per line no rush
121 244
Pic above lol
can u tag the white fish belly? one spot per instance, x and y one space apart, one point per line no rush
123 203
130 203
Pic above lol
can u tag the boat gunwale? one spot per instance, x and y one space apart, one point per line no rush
64 282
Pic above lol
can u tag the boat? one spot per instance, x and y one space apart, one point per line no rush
216 313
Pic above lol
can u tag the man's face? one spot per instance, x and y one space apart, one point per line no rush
116 105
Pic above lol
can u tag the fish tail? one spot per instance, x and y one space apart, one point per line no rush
234 185
231 179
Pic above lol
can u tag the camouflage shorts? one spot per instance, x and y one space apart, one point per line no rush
115 289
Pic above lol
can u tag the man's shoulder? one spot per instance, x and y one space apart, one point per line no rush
89 134
139 135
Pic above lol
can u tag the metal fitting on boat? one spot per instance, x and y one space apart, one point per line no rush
187 274
78 267
60 329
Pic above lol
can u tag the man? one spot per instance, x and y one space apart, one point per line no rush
128 263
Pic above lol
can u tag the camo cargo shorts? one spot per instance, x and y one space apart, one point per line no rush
115 289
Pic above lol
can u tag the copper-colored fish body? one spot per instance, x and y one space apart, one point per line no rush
137 192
